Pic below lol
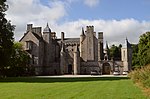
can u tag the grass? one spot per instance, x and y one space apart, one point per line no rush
69 88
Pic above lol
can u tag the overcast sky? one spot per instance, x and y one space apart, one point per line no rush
118 19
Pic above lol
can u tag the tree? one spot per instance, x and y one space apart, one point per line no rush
135 59
19 61
144 49
6 38
115 52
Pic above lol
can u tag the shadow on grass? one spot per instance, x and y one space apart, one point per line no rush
53 80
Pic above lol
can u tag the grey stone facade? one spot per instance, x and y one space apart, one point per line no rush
53 56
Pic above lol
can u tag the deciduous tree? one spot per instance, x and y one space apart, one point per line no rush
19 61
115 52
144 49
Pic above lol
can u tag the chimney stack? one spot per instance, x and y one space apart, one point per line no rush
62 36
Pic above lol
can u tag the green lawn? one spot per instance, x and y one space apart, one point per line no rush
69 88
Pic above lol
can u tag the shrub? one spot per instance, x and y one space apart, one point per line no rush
141 76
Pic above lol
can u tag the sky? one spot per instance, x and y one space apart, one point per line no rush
117 19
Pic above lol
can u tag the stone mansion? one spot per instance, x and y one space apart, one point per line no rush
57 56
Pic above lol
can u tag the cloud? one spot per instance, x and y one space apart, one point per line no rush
91 3
22 12
114 31
33 9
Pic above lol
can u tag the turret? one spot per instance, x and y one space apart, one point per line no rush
126 56
90 42
100 46
76 61
48 54
82 37
90 29
106 51
47 34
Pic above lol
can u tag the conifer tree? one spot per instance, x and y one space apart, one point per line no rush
6 38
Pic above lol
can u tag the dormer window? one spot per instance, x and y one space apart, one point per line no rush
28 45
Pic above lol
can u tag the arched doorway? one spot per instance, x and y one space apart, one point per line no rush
69 69
106 69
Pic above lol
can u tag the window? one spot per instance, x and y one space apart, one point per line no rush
34 60
28 45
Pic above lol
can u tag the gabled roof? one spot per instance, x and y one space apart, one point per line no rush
36 35
23 37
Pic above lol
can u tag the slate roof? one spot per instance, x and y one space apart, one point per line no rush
70 40
36 35
127 44
47 29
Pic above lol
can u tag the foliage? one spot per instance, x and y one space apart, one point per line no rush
135 59
141 76
144 49
19 61
141 51
69 88
13 58
6 38
115 52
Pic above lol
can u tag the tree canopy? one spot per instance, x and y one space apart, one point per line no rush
6 37
144 49
135 59
19 61
115 52
141 51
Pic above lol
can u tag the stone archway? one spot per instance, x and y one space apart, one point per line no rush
106 69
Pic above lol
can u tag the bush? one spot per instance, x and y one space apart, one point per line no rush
141 76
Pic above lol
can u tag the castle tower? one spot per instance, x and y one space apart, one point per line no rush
82 37
100 46
76 61
90 35
47 45
62 60
106 56
47 34
126 56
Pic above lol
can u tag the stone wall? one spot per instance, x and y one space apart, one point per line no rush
87 67
52 69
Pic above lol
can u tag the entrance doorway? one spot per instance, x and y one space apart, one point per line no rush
106 69
69 69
